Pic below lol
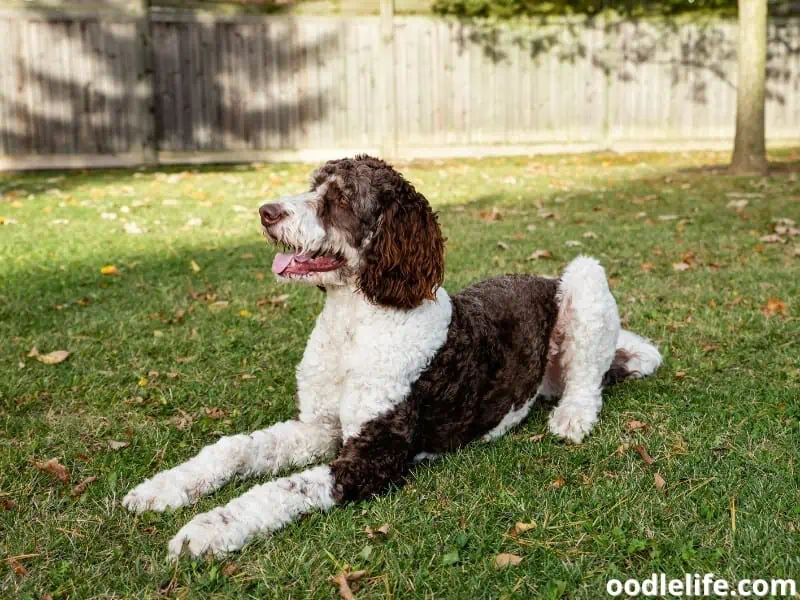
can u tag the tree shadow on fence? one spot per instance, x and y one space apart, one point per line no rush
79 84
690 49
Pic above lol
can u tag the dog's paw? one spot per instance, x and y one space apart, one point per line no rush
157 494
216 532
570 423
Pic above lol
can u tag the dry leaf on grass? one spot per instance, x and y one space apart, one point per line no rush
537 254
382 531
572 243
772 239
538 437
774 307
182 421
644 454
501 561
195 267
646 267
55 468
115 445
559 483
230 569
631 426
520 528
81 487
343 580
109 270
51 358
622 449
737 204
667 217
659 481
490 215
502 245
7 504
681 266
214 412
19 570
590 235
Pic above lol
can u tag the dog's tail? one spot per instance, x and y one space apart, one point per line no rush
636 357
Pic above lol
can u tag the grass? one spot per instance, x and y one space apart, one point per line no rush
191 340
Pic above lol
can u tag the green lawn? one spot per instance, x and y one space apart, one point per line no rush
192 339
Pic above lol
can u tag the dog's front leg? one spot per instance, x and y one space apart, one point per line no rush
366 465
291 443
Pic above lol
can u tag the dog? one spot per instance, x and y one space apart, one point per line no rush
396 370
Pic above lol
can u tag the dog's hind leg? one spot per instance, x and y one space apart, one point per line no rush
584 345
636 357
287 444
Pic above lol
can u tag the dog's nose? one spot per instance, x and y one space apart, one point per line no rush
271 213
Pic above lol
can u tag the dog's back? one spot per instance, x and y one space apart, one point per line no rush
491 364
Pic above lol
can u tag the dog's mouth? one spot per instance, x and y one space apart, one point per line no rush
288 264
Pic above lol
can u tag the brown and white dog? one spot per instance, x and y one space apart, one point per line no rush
395 369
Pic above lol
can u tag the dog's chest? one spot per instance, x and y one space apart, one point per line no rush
361 359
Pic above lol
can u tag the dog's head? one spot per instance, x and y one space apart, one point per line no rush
361 225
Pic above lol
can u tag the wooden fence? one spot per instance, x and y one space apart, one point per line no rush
107 88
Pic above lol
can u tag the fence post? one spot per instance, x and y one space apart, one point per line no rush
610 42
146 118
389 141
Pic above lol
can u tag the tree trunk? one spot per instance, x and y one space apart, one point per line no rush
749 151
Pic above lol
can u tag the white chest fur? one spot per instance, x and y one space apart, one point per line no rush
361 359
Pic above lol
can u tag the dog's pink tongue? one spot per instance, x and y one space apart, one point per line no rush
281 262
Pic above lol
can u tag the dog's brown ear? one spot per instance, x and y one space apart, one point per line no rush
404 262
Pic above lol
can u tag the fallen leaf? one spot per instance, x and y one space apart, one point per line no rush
115 445
184 359
559 483
17 567
681 266
772 239
279 300
710 347
520 527
55 468
81 487
786 222
343 580
774 307
502 245
33 353
646 267
230 569
52 358
537 254
622 449
501 561
737 204
667 217
214 412
383 531
659 481
7 504
182 421
680 374
546 214
195 266
538 437
132 228
572 243
631 426
643 453
245 313
590 235
490 215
